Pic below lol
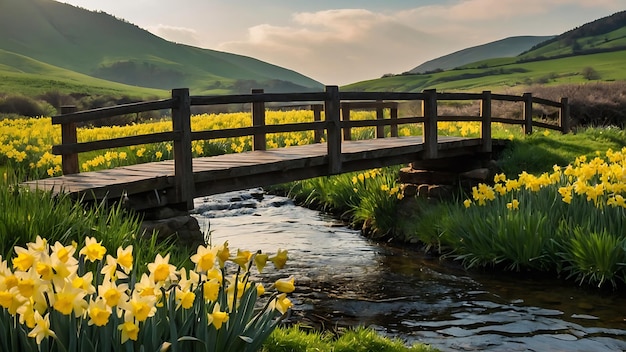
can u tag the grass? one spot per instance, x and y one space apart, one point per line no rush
538 152
354 340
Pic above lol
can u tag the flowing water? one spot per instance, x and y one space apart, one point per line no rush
344 279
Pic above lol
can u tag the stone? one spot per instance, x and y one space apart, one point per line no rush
409 190
481 174
440 191
409 175
422 190
184 227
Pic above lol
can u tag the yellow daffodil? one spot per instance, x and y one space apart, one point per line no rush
285 285
217 317
161 269
260 259
211 290
204 258
242 259
42 328
139 307
130 331
125 258
24 259
99 312
280 259
93 250
112 293
281 303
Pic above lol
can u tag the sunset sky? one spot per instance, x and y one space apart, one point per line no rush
340 41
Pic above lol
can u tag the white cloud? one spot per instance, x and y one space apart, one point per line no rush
176 34
339 46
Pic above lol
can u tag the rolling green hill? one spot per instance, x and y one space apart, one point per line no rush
21 74
593 52
508 47
100 45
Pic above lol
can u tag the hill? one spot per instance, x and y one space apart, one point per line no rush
102 46
508 47
593 52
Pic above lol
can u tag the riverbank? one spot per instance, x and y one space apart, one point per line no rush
559 211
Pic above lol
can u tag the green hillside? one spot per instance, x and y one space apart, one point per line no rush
21 74
100 45
508 47
593 52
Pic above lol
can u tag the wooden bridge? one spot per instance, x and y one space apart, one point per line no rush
177 182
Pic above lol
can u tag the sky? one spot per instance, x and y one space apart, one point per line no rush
337 42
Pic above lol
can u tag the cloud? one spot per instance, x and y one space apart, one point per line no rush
182 35
339 46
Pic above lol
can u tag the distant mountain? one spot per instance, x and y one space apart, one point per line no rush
100 45
508 47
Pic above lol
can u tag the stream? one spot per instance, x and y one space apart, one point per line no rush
343 279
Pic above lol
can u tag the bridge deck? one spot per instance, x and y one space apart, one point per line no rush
229 172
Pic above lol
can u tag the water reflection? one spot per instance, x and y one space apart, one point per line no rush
345 280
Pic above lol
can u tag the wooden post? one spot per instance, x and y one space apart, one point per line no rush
485 114
394 120
345 116
333 129
317 116
429 111
183 163
528 113
69 162
258 119
564 118
380 130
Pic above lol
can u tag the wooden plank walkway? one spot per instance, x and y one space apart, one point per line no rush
148 185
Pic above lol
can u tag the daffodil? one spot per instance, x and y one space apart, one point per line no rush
24 259
93 250
285 285
125 258
42 328
204 258
217 317
161 270
280 259
281 303
130 331
112 293
211 290
99 312
242 259
139 307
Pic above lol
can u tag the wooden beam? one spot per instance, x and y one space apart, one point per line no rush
317 116
183 162
528 113
333 131
564 116
393 116
69 161
429 111
380 130
258 120
345 116
485 113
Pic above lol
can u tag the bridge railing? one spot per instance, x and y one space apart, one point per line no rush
336 124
